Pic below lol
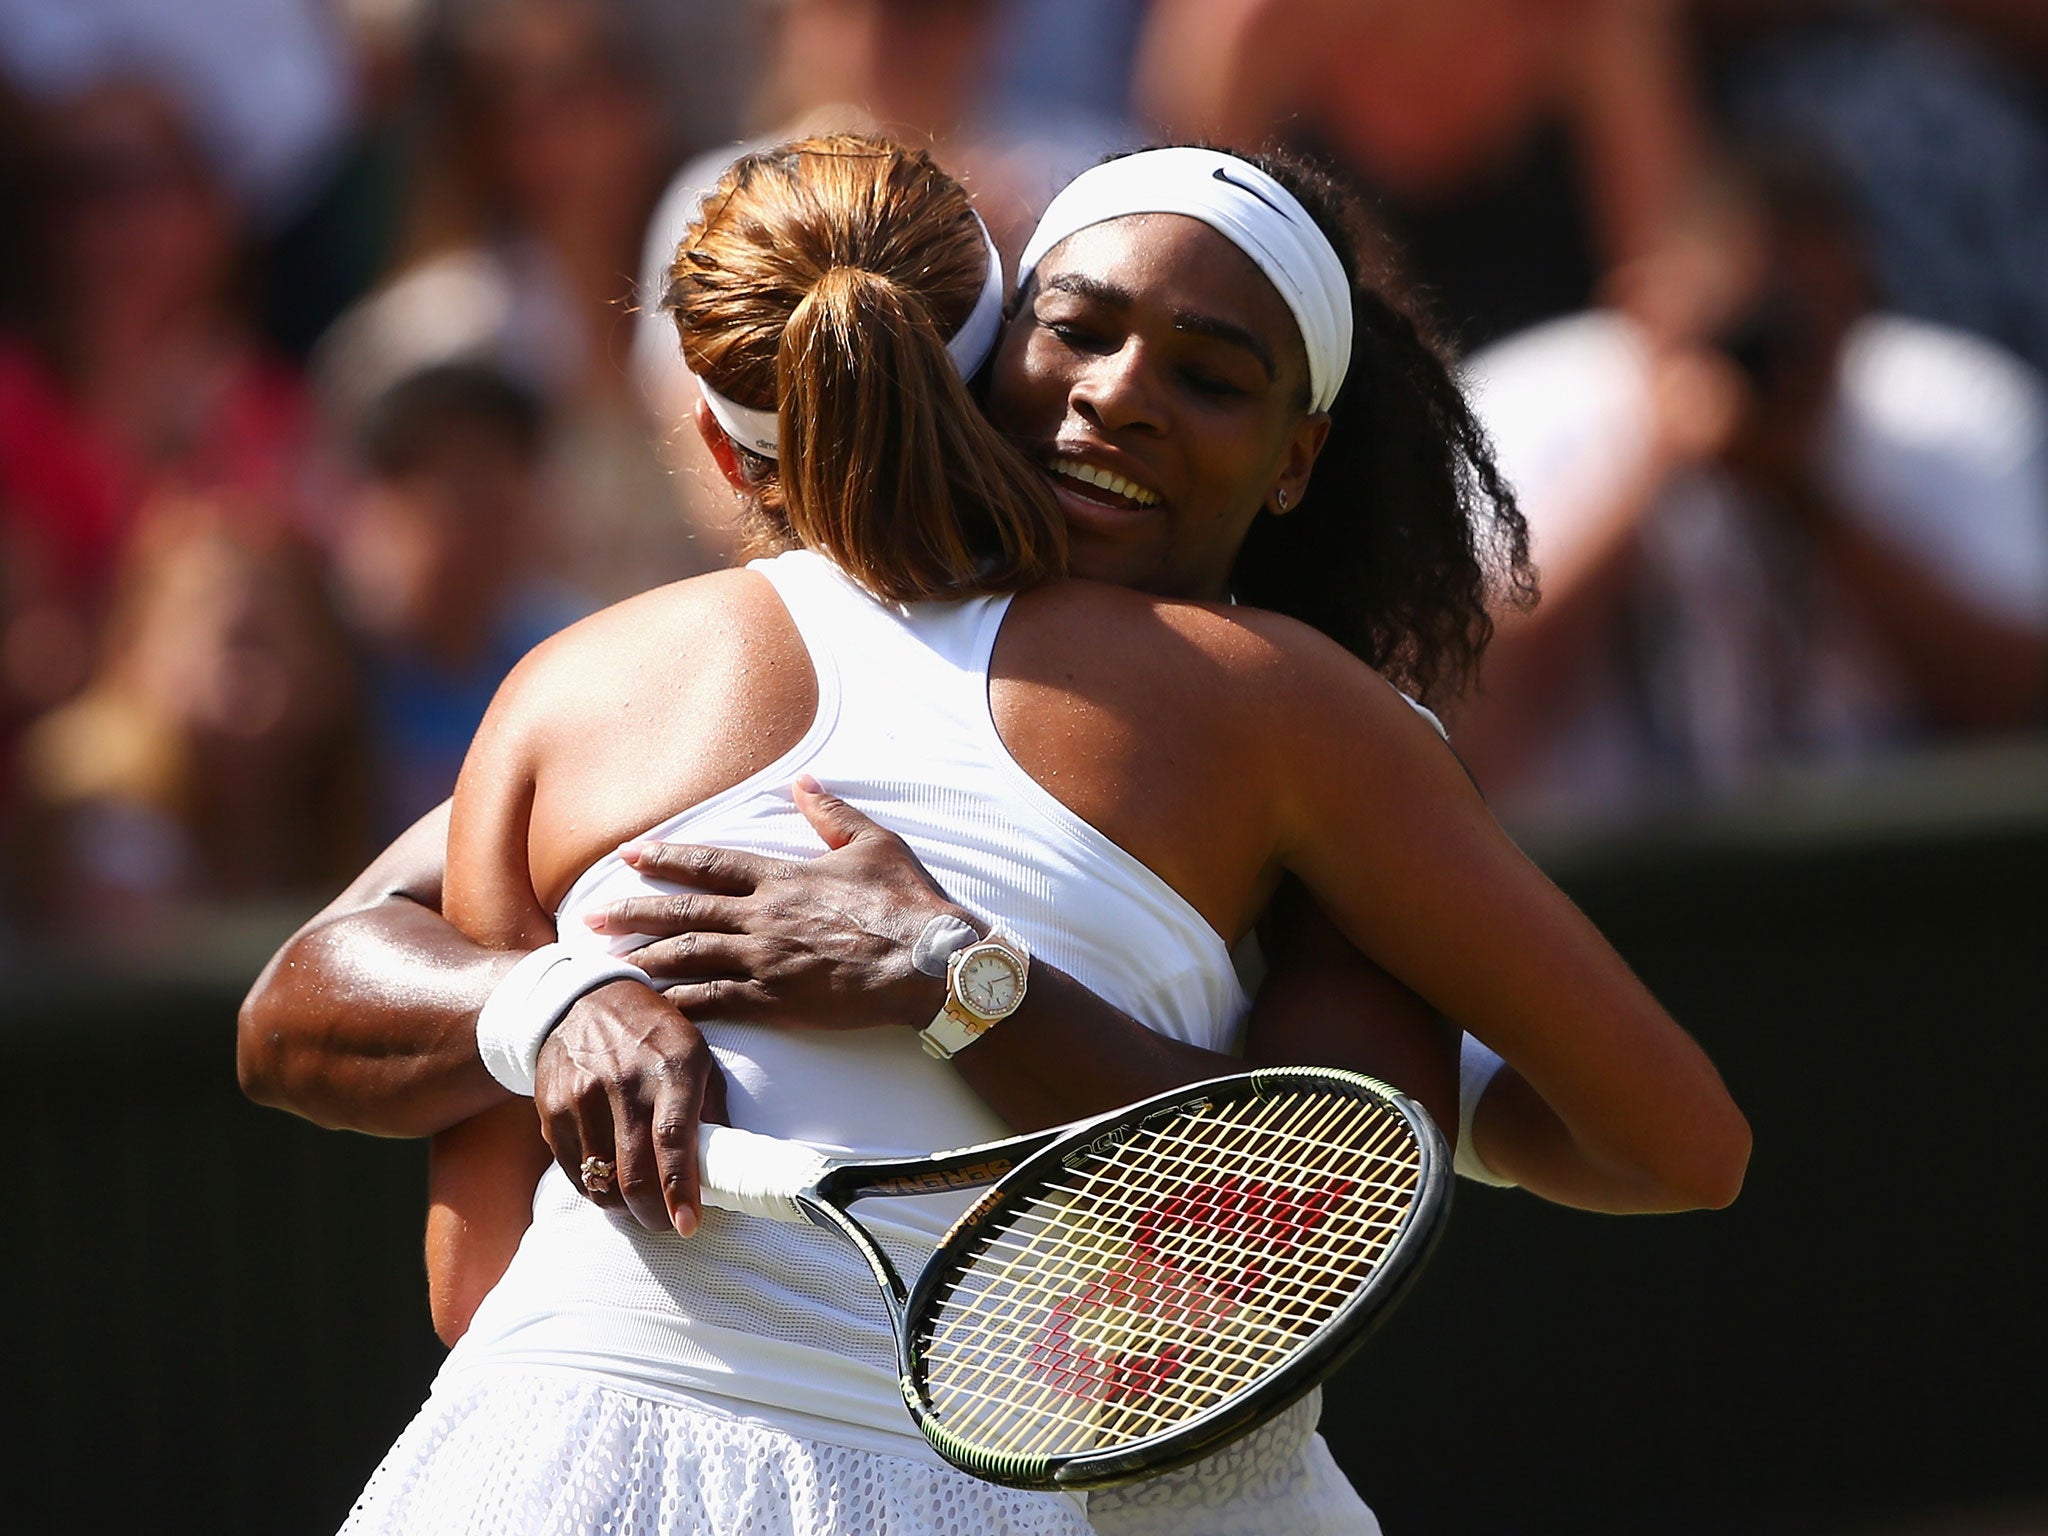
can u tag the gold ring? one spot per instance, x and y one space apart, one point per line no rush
597 1176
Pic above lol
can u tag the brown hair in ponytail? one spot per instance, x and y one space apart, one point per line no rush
822 279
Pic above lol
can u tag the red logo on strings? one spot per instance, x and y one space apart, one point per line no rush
1149 1289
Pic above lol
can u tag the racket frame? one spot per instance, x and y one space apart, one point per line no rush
1019 1164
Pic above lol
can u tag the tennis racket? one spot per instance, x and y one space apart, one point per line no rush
1134 1291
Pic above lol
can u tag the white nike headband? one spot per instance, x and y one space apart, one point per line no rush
969 349
1244 205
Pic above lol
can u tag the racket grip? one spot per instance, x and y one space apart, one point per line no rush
755 1175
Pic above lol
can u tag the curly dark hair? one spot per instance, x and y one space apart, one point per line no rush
1408 535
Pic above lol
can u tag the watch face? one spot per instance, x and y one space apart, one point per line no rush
990 983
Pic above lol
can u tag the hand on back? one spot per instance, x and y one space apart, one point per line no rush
823 943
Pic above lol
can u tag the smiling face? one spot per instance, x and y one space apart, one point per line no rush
1159 378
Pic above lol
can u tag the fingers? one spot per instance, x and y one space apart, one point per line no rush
641 1175
577 1126
695 957
720 870
674 1143
688 912
711 1106
732 1000
658 1144
622 1078
835 821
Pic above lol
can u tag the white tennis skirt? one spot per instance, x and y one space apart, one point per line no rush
515 1452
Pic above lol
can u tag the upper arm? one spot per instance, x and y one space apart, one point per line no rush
489 893
483 1171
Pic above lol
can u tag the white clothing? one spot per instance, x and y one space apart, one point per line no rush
535 1452
784 1318
776 1329
487 1458
1737 652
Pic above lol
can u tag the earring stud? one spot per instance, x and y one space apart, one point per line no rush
1280 500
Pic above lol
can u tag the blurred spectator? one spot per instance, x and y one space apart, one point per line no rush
438 565
1773 524
213 754
338 247
547 149
264 82
126 367
1077 55
930 72
1516 149
1937 128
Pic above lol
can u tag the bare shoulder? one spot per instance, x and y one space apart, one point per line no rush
640 711
629 651
1090 624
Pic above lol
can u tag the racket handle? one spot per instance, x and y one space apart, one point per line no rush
755 1175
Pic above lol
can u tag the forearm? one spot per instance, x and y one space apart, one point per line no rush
366 1021
1324 1003
480 1183
1630 100
1066 1053
1522 1138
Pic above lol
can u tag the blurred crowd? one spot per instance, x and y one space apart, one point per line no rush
330 384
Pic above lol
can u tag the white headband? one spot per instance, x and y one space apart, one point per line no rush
1249 209
969 349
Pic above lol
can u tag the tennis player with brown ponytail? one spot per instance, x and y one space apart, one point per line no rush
1109 782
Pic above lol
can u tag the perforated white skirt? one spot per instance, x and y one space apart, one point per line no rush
1278 1481
514 1452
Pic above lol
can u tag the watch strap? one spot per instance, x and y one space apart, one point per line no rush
948 1034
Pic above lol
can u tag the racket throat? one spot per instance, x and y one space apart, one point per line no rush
894 1293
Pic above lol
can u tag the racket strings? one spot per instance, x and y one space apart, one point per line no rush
1238 1346
1375 1221
1067 1255
1227 1352
1170 1274
1138 1402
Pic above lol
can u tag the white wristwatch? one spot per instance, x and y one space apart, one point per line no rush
985 983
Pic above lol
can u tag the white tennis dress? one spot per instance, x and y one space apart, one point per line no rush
742 1381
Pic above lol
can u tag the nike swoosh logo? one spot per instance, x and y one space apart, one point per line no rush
1229 180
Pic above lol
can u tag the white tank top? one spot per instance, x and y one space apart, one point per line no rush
782 1324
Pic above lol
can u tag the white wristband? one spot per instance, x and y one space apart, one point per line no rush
1477 1067
526 1006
